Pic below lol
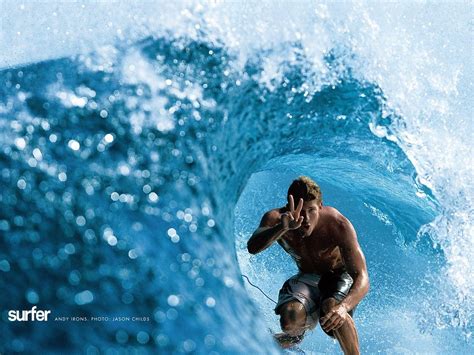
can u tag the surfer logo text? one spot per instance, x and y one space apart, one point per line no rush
24 315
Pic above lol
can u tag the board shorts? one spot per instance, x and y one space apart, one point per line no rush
312 289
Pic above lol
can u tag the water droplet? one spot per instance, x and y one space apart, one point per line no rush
210 302
20 143
74 145
84 297
173 300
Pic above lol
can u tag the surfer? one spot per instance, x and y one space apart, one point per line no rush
332 277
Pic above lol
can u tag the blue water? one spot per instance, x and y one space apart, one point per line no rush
133 175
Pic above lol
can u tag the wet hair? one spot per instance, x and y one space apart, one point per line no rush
305 188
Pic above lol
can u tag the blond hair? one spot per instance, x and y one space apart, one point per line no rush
305 188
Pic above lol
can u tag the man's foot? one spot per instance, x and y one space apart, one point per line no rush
287 341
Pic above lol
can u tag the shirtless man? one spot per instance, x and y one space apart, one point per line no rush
332 276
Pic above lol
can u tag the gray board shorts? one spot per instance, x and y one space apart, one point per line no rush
312 289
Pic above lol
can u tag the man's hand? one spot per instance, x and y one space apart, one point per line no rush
291 219
335 318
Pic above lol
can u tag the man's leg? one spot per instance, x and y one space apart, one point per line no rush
347 333
292 321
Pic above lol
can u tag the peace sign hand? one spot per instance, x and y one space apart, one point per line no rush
292 220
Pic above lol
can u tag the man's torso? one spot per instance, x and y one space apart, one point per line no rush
317 253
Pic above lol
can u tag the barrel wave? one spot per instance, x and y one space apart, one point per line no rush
133 175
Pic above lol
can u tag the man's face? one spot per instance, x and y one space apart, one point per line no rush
310 212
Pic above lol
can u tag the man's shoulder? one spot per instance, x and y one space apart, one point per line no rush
336 220
333 214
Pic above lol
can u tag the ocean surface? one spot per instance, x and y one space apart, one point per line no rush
141 143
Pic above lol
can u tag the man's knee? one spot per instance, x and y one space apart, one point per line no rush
293 318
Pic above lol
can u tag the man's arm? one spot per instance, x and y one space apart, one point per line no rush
269 231
354 260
